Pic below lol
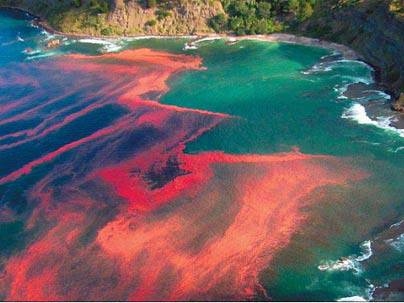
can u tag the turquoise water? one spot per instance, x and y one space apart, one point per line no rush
280 101
280 96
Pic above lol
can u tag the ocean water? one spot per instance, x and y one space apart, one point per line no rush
279 97
289 96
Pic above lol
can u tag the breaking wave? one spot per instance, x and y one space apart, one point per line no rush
350 263
352 299
357 112
195 44
107 46
397 243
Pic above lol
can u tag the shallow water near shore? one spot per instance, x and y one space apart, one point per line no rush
277 97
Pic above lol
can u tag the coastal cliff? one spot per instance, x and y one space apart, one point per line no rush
373 28
186 17
123 17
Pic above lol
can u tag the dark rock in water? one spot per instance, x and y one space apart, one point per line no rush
377 106
361 90
393 292
372 30
399 104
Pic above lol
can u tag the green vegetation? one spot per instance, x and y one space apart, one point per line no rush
267 16
151 23
239 17
76 3
71 16
162 13
261 16
218 23
99 6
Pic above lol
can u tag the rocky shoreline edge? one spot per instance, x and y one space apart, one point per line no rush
346 52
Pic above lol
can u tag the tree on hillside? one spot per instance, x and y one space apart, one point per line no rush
218 23
306 10
264 10
293 6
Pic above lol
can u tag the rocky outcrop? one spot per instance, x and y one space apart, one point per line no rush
125 17
371 30
398 105
53 43
186 17
394 291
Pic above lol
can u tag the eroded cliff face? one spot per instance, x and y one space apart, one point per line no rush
186 17
372 30
123 17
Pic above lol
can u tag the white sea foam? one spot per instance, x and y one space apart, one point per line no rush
194 44
8 43
341 90
33 24
318 68
379 93
396 150
115 45
397 243
42 55
369 142
350 263
94 41
366 248
48 36
333 54
360 295
190 46
108 46
356 79
31 52
129 39
344 264
357 112
400 222
207 39
327 66
355 62
352 299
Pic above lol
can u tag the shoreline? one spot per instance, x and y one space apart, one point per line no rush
345 51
